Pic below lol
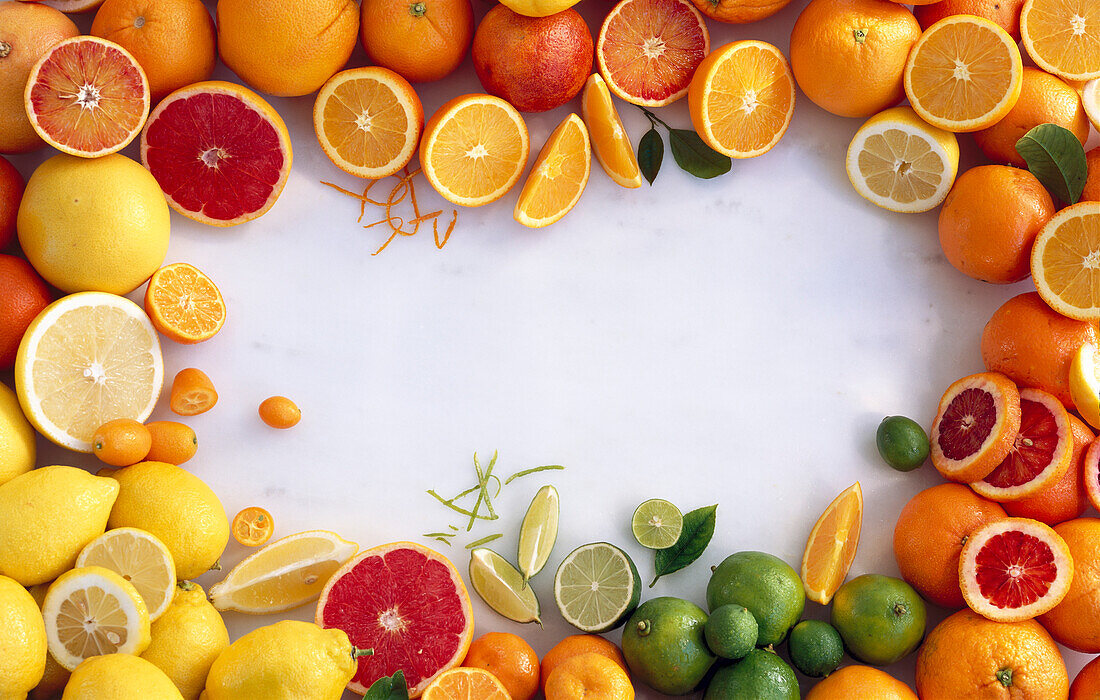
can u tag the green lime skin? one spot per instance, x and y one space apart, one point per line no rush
761 676
902 443
731 631
764 584
880 618
664 647
816 648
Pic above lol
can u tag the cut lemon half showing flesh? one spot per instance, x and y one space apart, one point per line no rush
1063 36
900 162
1084 383
1065 262
610 143
832 545
558 177
141 559
88 358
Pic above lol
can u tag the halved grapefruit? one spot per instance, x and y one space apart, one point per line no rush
220 152
975 426
1091 469
406 602
1014 569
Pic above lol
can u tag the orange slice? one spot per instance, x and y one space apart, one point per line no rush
1065 261
368 121
184 304
964 74
474 149
609 140
466 684
832 545
975 426
558 176
742 98
87 97
1063 36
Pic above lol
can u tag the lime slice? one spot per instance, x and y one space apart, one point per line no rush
657 524
597 587
502 587
538 532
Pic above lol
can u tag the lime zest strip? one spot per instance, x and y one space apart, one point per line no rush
533 470
484 540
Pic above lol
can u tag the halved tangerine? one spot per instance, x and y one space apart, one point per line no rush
1041 452
1014 569
975 426
1091 469
184 304
87 97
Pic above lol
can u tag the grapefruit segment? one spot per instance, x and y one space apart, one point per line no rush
975 426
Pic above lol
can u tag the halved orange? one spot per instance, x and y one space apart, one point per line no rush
558 176
466 684
1063 36
184 304
1065 261
474 149
368 121
742 98
87 97
610 142
965 73
832 545
975 426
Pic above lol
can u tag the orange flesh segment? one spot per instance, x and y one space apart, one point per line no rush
559 174
354 106
832 545
1070 262
1065 36
476 151
609 140
187 301
751 99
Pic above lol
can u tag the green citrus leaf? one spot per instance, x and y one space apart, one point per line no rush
696 157
1055 156
651 151
389 688
693 541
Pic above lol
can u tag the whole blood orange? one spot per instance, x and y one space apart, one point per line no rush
11 193
1004 13
1066 498
975 427
23 295
1075 622
421 41
739 11
408 604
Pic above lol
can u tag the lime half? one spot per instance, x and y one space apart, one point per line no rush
597 587
657 524
502 587
538 532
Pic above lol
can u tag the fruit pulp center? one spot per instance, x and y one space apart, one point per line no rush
654 47
749 102
91 623
656 522
96 372
363 121
478 151
212 156
967 423
962 71
391 620
1015 569
87 96
1077 24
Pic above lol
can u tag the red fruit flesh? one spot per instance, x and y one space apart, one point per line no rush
966 423
1036 446
1015 569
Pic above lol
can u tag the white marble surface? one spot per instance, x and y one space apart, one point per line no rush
733 341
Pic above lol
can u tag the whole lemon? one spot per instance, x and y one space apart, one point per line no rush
187 639
119 677
46 517
55 676
284 661
177 508
22 638
93 224
16 437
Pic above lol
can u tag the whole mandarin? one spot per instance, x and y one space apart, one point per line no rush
1075 622
859 682
575 645
508 657
23 295
592 676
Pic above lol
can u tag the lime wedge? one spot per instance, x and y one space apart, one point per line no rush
538 532
657 524
501 586
597 587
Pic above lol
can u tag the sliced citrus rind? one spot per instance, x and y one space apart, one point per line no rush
141 559
466 684
184 304
558 177
1084 383
832 544
1090 98
1063 36
1090 467
1065 261
975 426
610 142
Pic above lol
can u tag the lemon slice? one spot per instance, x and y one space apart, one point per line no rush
141 559
502 587
93 611
1090 98
87 359
1084 383
285 574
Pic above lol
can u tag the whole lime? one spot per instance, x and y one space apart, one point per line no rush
761 676
731 631
880 618
664 647
902 443
816 648
764 584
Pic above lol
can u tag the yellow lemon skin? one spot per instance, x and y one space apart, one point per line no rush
285 661
538 8
17 449
187 639
46 517
22 639
119 677
177 508
55 676
93 224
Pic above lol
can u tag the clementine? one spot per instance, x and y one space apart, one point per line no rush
11 193
592 676
1075 622
575 645
1066 498
739 11
858 682
1086 686
1003 13
23 295
1092 184
421 41
512 660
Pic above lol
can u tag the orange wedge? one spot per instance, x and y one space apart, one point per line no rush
609 140
1065 262
368 121
184 304
1063 36
964 74
558 176
832 545
742 98
474 149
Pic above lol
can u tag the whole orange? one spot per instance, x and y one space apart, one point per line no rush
1044 99
989 222
739 11
1092 184
929 536
1086 686
575 645
858 682
968 656
1075 622
286 48
420 40
512 660
1066 498
1003 13
592 676
174 40
1034 345
848 55
23 295
11 193
26 31
536 63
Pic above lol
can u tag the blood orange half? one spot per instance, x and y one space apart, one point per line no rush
219 151
1014 569
1091 469
975 426
87 97
408 604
